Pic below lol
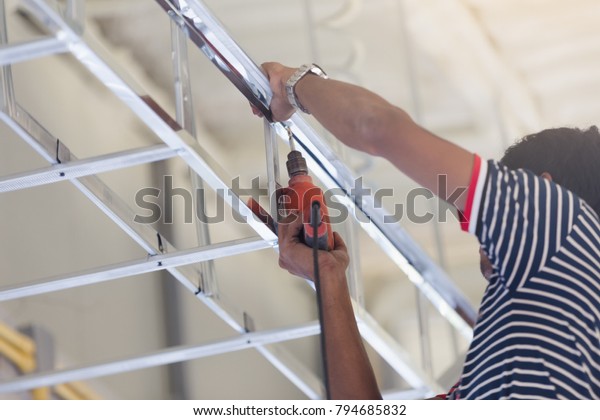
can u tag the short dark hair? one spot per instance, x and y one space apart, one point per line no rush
570 155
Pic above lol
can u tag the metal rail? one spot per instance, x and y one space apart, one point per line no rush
159 358
196 21
17 53
208 34
141 266
85 167
109 203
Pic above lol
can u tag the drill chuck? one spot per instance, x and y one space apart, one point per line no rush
296 164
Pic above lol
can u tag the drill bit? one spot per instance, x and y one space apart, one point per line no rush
296 164
291 138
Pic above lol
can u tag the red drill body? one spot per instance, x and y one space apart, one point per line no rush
300 196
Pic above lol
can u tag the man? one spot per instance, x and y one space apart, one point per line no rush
535 215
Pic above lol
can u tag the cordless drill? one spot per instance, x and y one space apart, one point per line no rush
300 195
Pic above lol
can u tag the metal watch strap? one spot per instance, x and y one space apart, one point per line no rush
290 85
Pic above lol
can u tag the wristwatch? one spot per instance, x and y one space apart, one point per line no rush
290 85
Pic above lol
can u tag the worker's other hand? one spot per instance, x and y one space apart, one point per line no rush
297 258
278 75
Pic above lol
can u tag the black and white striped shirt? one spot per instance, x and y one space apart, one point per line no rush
538 331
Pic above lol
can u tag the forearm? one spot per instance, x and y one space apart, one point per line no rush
350 373
365 121
349 112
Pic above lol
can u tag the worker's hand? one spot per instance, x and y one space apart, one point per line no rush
278 75
297 258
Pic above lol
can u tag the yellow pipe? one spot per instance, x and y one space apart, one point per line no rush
84 391
25 362
20 350
65 392
16 339
41 393
76 391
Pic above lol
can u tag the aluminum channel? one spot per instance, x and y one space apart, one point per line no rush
44 143
208 34
85 167
185 117
131 268
159 358
28 128
112 205
105 73
15 53
147 110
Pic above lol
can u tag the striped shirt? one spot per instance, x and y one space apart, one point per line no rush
538 331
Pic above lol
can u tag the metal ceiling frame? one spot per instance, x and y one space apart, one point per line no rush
196 22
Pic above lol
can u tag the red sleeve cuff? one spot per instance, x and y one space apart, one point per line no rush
468 217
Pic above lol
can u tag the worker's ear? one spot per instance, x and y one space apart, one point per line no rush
547 176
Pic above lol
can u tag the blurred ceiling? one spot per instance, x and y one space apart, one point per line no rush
460 65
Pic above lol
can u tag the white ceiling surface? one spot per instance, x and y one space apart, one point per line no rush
479 72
